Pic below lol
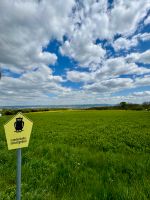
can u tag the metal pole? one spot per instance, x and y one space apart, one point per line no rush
19 174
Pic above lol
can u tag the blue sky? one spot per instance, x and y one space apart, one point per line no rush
79 52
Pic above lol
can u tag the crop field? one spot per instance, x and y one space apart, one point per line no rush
81 155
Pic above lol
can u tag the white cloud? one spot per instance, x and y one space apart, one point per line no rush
143 37
76 76
147 20
142 94
140 57
144 57
83 51
100 22
123 43
126 15
87 54
107 78
143 81
31 85
27 27
110 86
92 20
114 67
131 98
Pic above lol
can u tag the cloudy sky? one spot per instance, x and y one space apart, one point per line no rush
74 51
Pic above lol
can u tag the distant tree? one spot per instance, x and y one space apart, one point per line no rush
146 105
123 105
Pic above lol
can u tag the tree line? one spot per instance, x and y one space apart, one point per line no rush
125 106
121 106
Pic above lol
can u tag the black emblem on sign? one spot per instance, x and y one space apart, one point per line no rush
19 124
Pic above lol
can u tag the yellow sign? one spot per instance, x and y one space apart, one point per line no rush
18 131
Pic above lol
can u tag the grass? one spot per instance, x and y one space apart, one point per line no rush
81 155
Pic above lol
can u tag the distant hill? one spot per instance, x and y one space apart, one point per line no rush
78 106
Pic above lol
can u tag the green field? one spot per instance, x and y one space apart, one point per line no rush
74 155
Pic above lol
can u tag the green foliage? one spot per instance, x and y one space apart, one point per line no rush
81 155
123 105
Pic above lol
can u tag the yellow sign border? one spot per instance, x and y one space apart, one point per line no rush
20 140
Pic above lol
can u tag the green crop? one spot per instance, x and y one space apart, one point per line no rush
81 155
